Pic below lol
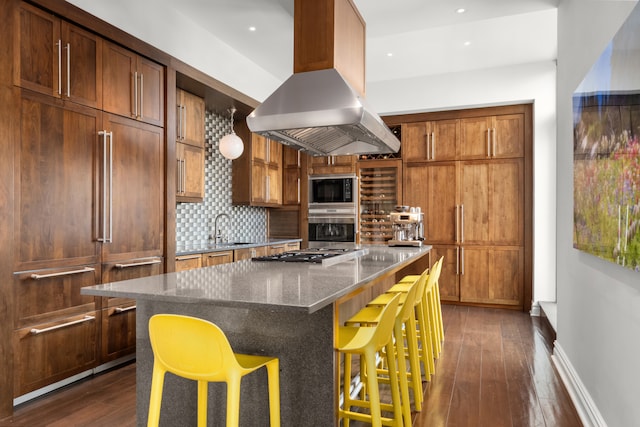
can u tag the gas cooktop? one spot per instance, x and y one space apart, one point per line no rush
315 255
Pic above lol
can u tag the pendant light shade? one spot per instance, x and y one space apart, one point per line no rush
231 146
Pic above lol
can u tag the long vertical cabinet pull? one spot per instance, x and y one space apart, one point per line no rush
179 113
107 174
68 47
59 44
184 175
267 183
298 190
427 137
488 142
141 91
134 95
433 145
494 142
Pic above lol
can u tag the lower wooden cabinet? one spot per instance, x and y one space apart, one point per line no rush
188 262
118 329
216 258
49 352
248 253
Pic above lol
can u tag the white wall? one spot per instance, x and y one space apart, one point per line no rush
598 302
509 85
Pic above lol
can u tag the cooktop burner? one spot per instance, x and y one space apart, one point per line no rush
313 255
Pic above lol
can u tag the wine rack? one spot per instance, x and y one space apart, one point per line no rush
380 193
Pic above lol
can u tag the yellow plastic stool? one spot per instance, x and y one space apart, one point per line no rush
366 341
405 321
198 350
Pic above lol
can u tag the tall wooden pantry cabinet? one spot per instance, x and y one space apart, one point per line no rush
470 172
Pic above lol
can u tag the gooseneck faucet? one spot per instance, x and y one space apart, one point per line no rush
216 232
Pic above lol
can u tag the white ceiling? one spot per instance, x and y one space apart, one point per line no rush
425 37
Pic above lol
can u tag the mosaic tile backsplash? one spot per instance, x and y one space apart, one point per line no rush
195 221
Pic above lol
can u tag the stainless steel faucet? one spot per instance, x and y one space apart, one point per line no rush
216 231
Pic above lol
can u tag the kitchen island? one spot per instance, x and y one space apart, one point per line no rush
287 310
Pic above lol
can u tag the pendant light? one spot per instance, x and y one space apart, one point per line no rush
231 145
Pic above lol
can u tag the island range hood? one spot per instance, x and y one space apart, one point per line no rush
318 112
321 108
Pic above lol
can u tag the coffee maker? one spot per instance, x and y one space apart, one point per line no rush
407 226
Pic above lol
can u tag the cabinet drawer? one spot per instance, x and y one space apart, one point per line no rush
49 352
188 262
247 253
131 269
216 258
118 331
42 295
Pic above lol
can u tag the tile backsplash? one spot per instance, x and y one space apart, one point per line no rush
195 221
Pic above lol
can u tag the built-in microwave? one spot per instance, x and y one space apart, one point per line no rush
336 229
333 189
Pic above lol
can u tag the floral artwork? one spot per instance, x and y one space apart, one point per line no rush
607 178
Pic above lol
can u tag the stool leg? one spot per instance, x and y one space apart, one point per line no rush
414 362
395 386
233 402
374 391
155 400
346 387
273 376
425 339
402 369
202 403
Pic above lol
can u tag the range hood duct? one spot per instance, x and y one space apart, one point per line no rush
319 113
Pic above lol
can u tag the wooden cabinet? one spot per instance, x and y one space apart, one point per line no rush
188 262
380 193
248 253
216 258
474 201
430 141
133 86
283 247
326 165
257 173
190 155
58 59
189 173
291 175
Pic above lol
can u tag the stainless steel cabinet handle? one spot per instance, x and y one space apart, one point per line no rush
457 260
298 190
119 310
298 161
427 137
35 331
433 145
217 255
185 258
138 264
59 44
457 224
184 122
68 70
62 273
462 261
135 94
107 174
140 95
178 176
488 142
461 223
184 175
179 130
494 143
267 187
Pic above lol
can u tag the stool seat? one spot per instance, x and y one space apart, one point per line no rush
198 350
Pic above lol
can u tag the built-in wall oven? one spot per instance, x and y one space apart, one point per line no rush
333 209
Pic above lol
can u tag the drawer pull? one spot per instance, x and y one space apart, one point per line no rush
138 264
61 273
35 331
119 310
218 255
187 257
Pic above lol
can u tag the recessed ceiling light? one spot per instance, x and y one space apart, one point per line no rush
467 43
461 10
252 28
389 54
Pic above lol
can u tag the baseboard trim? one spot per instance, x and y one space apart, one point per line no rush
585 406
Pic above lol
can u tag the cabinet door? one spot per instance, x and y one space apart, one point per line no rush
248 253
432 141
54 184
82 66
291 158
414 142
492 275
150 91
258 182
326 165
49 352
259 148
38 55
475 142
291 186
493 202
190 172
274 184
188 262
191 116
136 204
433 187
450 273
508 136
118 329
217 258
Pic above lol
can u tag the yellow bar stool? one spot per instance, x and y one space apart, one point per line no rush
424 324
405 324
198 350
366 342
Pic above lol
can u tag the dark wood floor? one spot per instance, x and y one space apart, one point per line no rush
495 370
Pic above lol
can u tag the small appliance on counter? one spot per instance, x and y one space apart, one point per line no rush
407 226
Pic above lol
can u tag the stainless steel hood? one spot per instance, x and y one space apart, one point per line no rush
320 113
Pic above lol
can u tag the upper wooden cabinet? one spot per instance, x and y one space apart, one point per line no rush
430 141
291 178
492 137
56 58
133 86
190 118
257 173
326 165
330 34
